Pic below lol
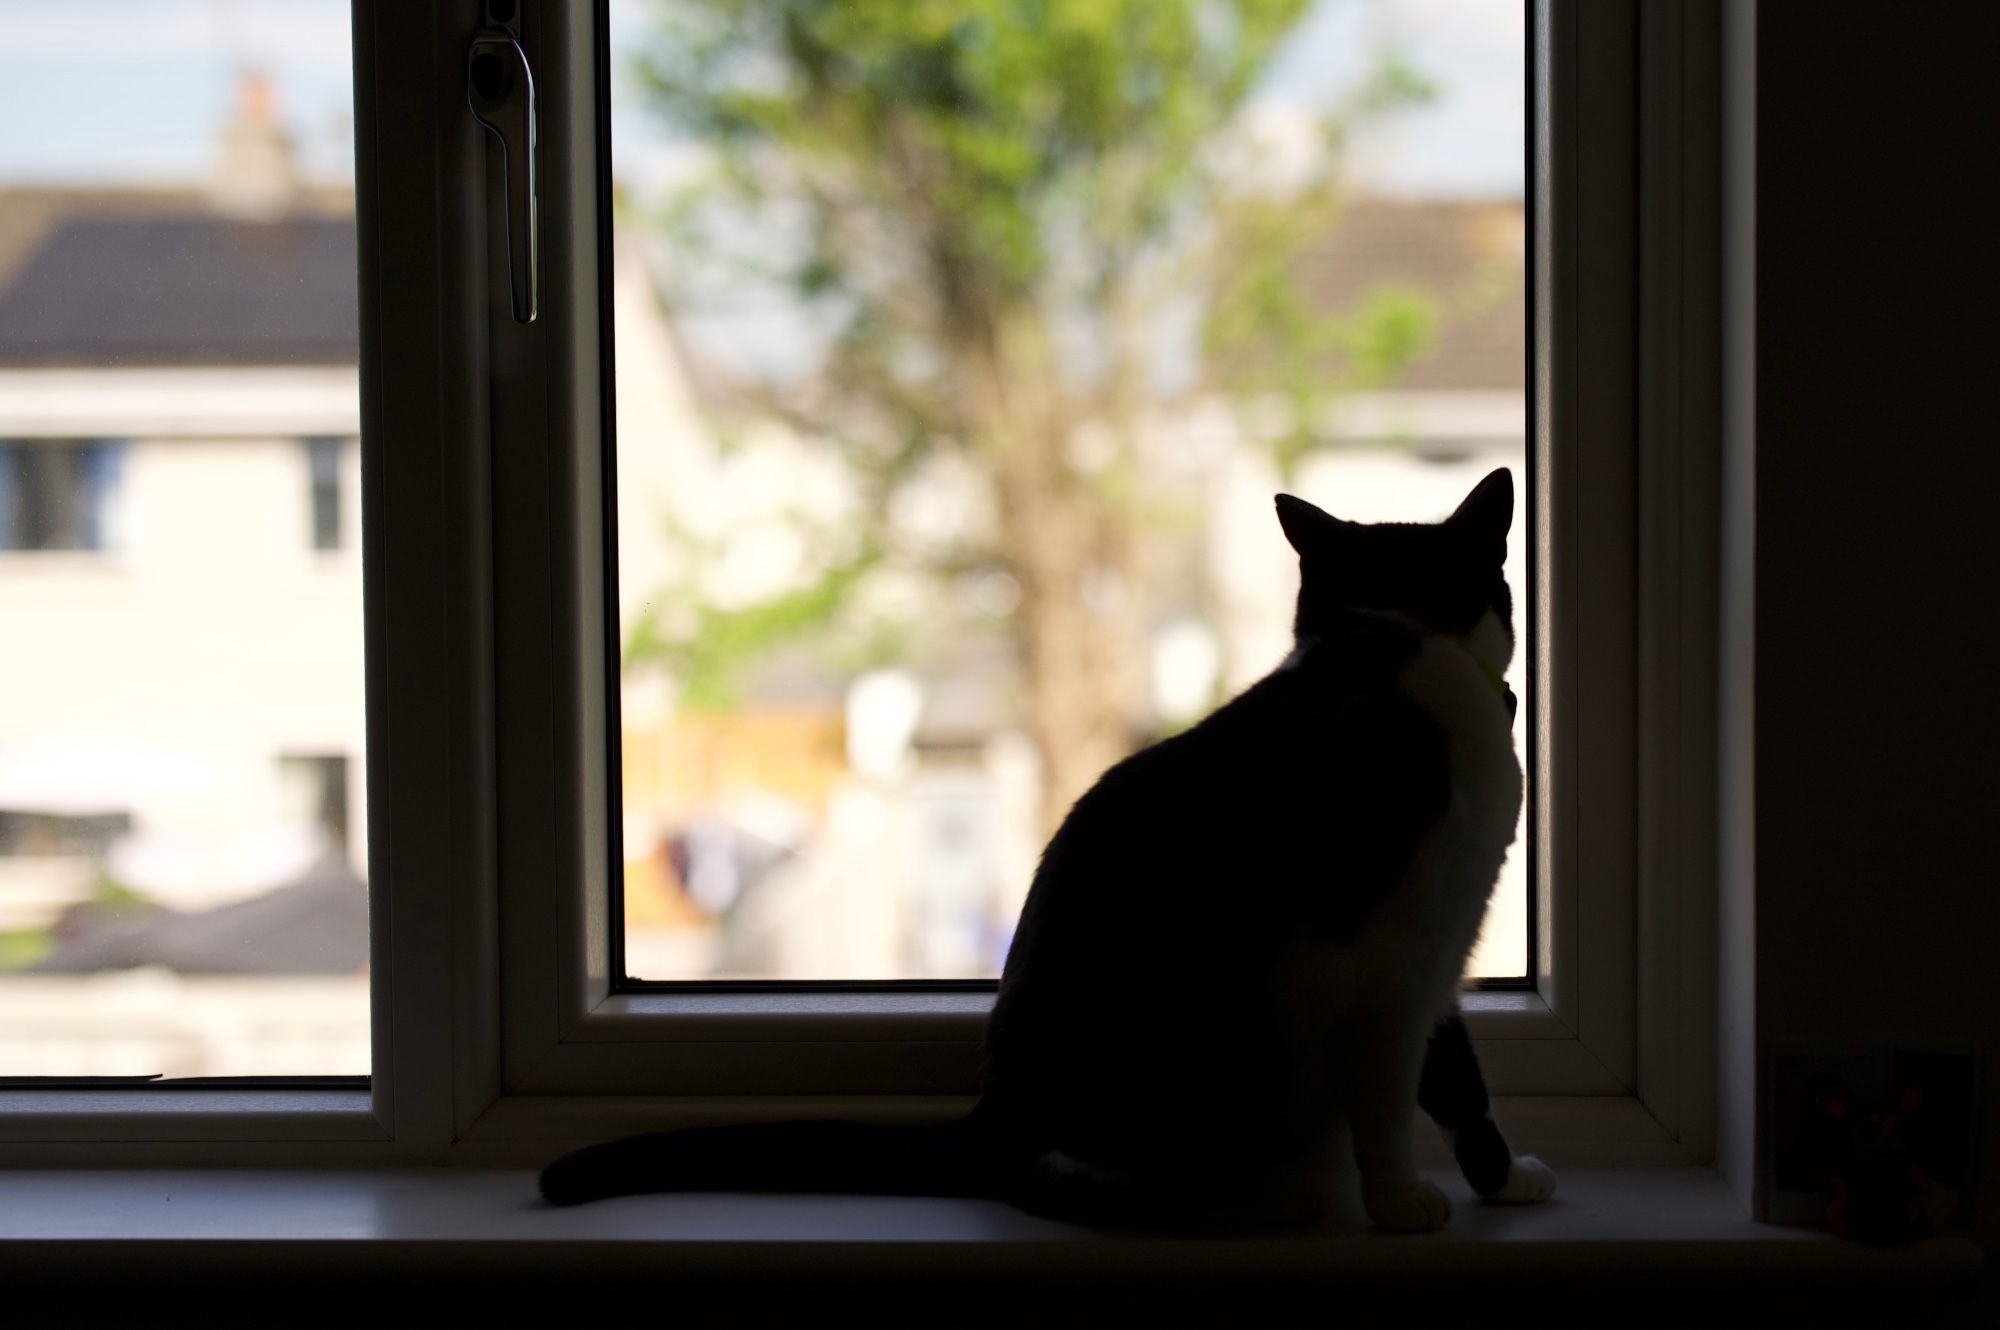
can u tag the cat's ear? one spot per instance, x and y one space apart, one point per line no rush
1311 529
1488 511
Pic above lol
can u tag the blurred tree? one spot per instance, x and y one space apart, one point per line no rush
997 213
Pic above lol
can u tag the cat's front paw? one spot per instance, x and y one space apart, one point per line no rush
1528 1180
1417 1208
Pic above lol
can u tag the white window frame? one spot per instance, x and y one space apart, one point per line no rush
491 700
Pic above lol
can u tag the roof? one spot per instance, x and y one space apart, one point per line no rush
315 925
1469 255
154 277
101 278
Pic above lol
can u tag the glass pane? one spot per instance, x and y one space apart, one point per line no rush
183 831
961 347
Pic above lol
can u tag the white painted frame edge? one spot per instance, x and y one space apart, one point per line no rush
420 182
1575 1035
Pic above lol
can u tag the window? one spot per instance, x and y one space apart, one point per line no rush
568 1020
323 463
500 607
857 692
59 495
177 311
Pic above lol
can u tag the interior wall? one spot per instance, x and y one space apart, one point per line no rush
1877 554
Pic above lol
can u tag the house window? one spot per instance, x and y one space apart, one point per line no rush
59 494
43 835
323 458
316 789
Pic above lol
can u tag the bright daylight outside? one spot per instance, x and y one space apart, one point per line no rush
961 347
182 838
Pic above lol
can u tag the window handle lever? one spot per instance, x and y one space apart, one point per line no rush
501 90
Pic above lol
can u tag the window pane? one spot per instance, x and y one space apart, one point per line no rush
182 824
958 361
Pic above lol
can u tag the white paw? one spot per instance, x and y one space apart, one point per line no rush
1417 1208
1528 1180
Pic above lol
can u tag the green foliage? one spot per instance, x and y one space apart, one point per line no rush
954 191
23 947
967 121
112 896
709 649
109 899
1278 349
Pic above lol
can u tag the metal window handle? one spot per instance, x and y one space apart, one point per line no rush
501 90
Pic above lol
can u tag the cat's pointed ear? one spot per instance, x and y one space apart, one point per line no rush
1310 528
1488 511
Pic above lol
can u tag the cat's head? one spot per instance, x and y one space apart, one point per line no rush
1444 577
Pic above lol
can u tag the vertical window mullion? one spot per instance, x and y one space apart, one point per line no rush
427 546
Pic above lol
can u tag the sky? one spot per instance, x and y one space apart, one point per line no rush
133 90
106 90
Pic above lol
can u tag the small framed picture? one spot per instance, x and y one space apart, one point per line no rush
1872 1144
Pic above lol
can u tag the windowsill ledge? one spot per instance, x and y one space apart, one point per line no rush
1676 1229
86 1115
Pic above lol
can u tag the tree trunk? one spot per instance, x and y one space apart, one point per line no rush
1079 645
1079 631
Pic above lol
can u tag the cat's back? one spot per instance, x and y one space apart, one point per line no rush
1158 928
1292 805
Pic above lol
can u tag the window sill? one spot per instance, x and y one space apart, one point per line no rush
1671 1228
788 1016
137 1114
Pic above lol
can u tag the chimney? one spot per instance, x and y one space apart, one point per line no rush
253 180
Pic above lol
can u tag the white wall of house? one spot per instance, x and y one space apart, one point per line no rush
166 676
145 1022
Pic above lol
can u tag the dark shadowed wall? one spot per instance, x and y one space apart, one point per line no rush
1877 549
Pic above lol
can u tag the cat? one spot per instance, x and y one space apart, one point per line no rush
1240 939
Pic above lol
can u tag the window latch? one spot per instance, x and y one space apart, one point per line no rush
501 90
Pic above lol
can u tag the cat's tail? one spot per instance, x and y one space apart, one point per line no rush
929 1159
